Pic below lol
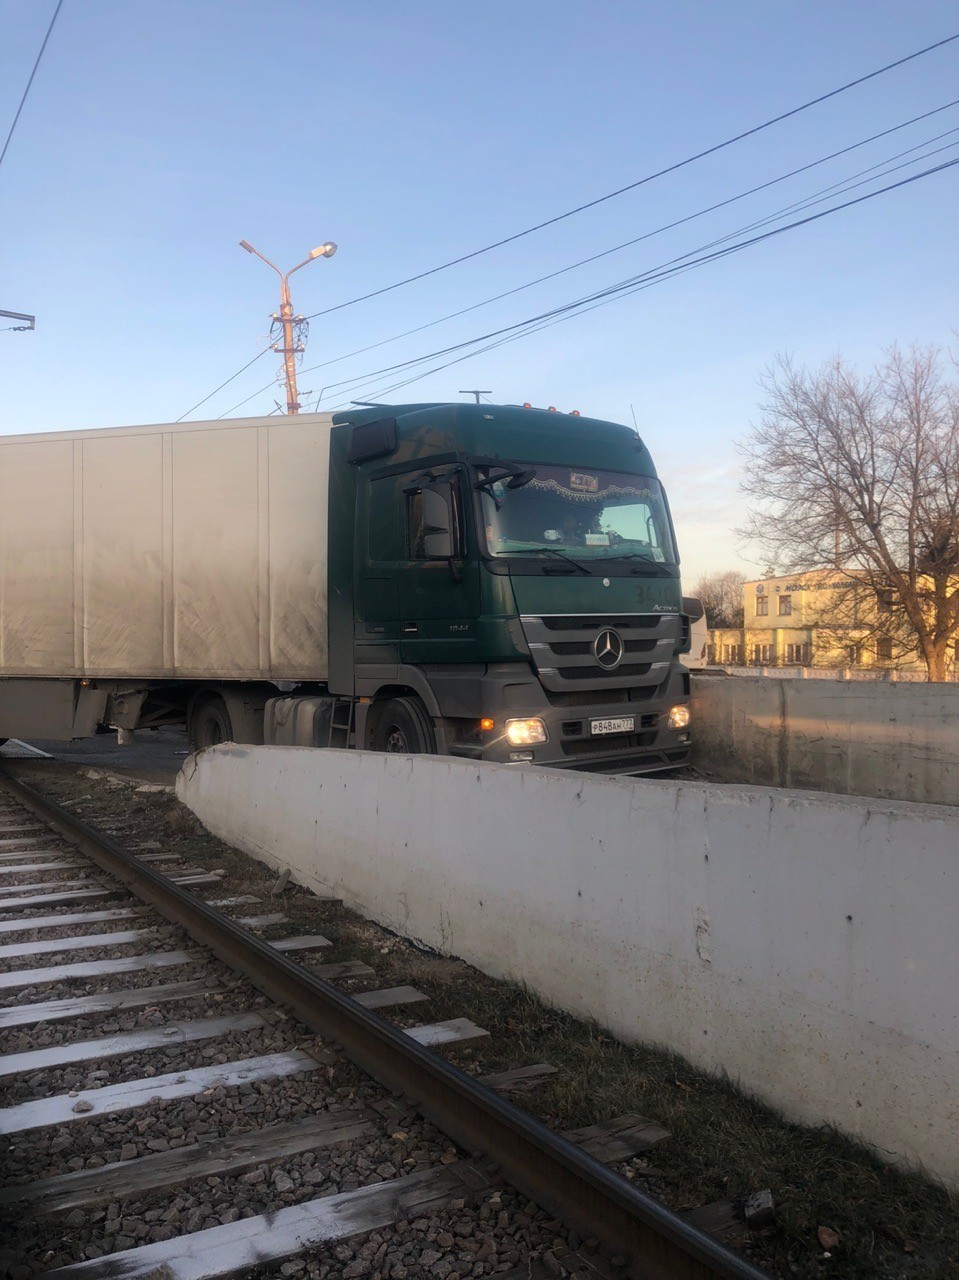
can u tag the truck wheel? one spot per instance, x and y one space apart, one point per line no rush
402 725
209 724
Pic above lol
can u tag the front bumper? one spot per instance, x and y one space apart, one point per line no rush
652 746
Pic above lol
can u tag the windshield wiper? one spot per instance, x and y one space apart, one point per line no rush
553 551
660 568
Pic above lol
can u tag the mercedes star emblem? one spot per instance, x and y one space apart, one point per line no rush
609 649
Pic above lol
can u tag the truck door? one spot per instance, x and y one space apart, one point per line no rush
438 587
381 541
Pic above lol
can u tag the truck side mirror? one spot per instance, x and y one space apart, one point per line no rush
432 535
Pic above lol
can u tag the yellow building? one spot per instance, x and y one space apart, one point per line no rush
821 619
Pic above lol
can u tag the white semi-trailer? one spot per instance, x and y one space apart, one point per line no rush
485 581
149 561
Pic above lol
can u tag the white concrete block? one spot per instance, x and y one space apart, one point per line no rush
804 943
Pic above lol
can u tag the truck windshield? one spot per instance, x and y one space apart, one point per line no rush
592 514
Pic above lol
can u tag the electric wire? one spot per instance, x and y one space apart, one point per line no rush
848 184
259 356
655 275
808 201
246 400
603 297
626 244
669 226
609 196
632 186
26 92
679 269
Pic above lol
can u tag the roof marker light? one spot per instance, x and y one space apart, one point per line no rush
551 409
575 413
527 405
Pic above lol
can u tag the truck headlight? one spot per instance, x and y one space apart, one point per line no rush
678 717
525 733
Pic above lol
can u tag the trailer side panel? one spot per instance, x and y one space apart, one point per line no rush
188 552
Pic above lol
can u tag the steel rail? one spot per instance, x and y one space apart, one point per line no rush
544 1166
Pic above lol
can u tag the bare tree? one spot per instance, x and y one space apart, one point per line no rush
860 475
722 597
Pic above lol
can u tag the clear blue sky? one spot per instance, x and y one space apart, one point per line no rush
158 135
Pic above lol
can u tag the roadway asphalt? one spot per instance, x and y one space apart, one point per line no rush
155 754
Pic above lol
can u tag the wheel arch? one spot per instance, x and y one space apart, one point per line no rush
402 682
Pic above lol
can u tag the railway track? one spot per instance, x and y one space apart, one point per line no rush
183 1099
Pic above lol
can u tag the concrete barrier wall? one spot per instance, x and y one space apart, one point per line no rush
899 741
804 944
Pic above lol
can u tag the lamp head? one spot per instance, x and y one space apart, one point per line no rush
324 250
245 244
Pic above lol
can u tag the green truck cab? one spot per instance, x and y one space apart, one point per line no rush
504 585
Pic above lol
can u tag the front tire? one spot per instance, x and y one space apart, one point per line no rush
209 725
402 726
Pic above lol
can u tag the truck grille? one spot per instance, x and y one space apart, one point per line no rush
562 649
576 648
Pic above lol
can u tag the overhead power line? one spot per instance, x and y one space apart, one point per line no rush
264 352
766 124
647 235
651 177
26 91
246 400
626 244
601 298
671 265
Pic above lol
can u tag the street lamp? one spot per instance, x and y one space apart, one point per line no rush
290 348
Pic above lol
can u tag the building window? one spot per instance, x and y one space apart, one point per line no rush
884 648
733 654
797 654
761 655
762 606
884 600
785 605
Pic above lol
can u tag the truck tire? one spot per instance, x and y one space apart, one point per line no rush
209 724
401 725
